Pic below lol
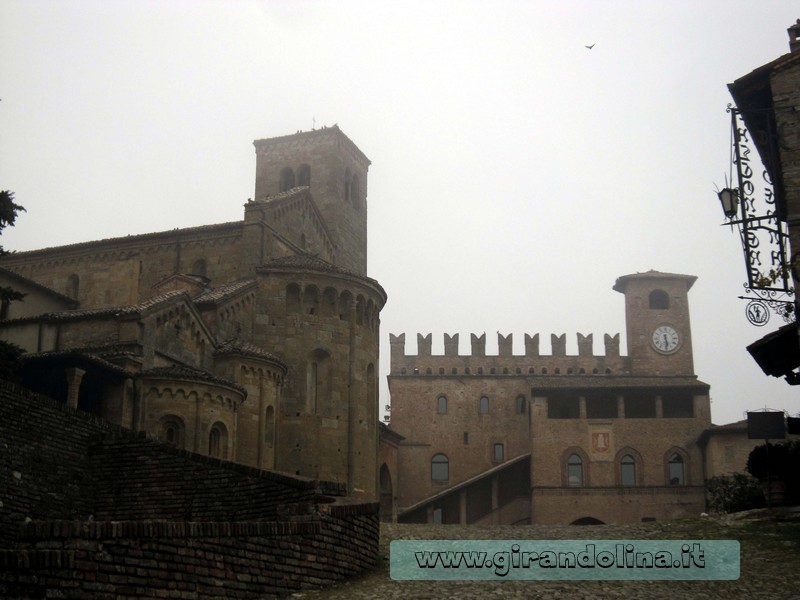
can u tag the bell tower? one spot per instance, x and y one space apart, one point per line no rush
657 322
334 170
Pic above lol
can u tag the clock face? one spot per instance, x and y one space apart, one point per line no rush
666 339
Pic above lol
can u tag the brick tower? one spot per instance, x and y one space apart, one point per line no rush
335 172
657 319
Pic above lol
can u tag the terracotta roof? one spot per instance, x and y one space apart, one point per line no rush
82 355
38 286
127 239
310 262
622 282
314 264
184 372
737 427
288 194
247 349
92 313
224 291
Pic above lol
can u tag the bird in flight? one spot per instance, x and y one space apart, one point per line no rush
590 47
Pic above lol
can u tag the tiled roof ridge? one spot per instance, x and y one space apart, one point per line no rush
111 311
223 291
290 193
37 285
86 353
190 373
312 262
235 346
128 238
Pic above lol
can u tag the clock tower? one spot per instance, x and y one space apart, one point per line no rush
657 322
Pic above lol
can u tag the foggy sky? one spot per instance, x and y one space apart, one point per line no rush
515 173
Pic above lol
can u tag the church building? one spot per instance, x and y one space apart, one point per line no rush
254 341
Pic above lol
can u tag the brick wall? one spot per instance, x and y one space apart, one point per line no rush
43 472
92 510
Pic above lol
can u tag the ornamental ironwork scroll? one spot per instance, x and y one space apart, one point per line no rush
764 239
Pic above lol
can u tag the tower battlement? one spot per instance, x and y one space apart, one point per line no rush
505 362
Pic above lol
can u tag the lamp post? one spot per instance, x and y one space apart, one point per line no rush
753 208
729 199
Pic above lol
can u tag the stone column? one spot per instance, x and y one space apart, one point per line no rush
462 507
74 378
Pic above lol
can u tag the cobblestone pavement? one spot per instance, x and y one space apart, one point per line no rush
769 563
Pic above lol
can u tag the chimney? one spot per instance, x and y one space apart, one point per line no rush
794 43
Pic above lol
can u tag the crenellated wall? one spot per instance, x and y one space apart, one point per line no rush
505 362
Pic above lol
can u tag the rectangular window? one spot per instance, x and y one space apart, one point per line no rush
640 406
677 406
466 437
563 407
498 454
601 407
627 471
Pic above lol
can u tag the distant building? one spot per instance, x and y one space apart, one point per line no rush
556 438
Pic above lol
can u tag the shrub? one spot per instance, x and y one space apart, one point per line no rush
769 460
733 493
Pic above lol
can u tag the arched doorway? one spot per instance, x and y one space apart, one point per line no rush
587 521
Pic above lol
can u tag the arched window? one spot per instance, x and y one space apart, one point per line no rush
659 299
574 471
329 302
269 429
627 471
213 442
483 406
311 300
304 176
218 440
521 405
345 305
292 298
199 267
441 405
319 384
676 472
171 430
347 189
287 180
73 286
355 193
440 468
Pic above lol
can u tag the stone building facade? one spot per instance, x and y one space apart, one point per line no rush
254 341
767 99
556 438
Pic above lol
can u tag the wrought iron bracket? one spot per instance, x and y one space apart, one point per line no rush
765 241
